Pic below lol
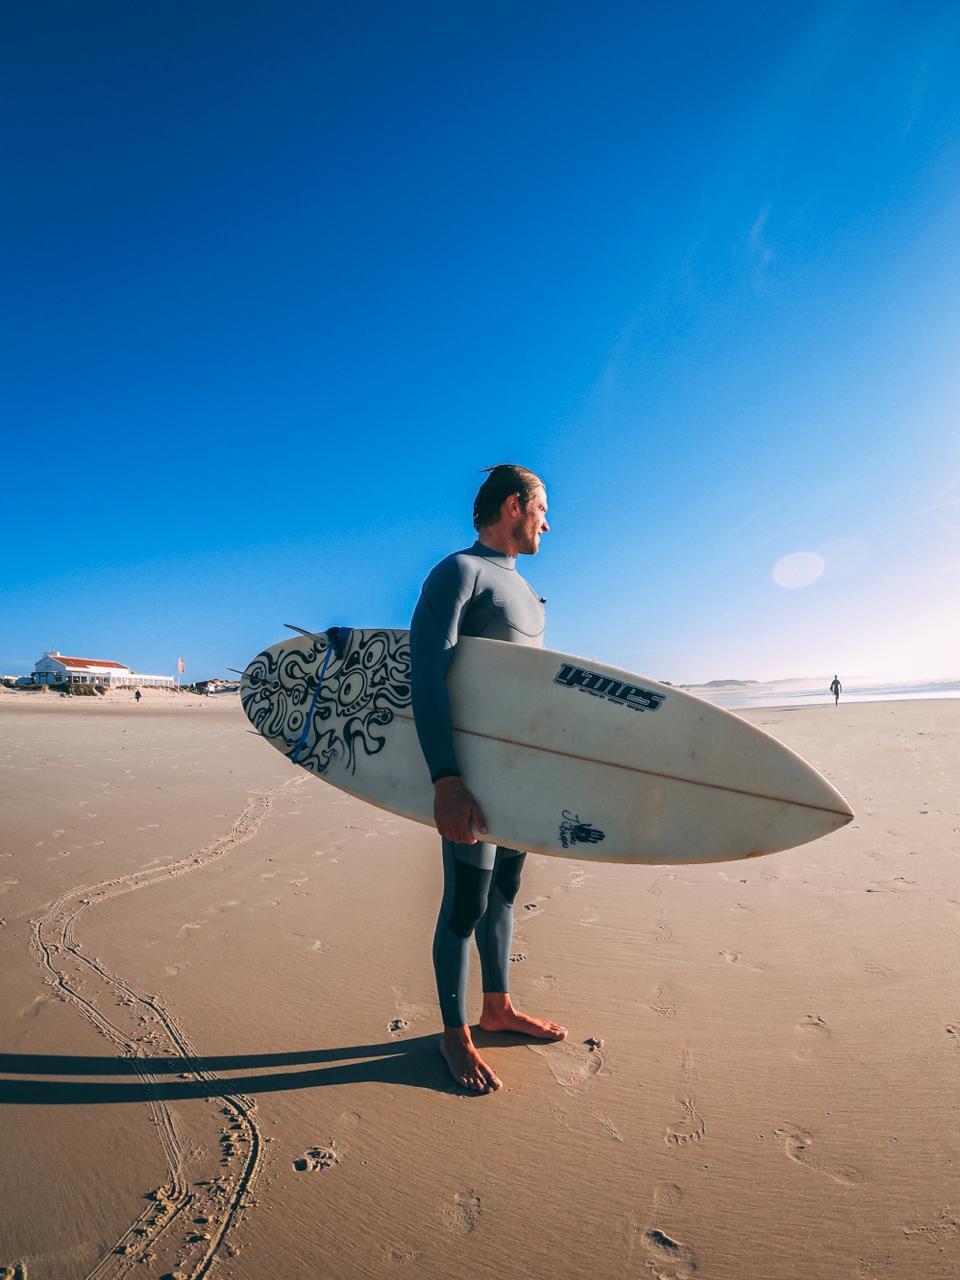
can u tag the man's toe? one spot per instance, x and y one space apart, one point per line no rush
553 1031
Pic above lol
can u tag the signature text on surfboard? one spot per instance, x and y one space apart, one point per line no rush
625 695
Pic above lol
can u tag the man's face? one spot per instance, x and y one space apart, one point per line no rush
531 524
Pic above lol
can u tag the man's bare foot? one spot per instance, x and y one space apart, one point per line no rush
500 1015
466 1065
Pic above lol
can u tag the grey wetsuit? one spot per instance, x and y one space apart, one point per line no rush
477 592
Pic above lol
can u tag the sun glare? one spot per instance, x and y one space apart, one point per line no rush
798 569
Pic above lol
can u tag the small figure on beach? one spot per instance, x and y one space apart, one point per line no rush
836 688
137 696
476 592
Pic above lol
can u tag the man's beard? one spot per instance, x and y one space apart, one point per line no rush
527 540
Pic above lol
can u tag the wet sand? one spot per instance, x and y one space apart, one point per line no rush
220 1027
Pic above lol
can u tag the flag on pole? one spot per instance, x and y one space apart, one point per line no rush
181 665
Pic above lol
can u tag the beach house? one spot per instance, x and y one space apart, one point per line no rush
55 668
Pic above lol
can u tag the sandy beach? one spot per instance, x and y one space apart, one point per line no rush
219 1052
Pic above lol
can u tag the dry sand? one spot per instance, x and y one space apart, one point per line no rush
219 1026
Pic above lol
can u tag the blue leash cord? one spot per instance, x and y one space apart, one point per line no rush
313 705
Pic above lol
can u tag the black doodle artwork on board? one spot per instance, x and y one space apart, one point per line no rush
361 689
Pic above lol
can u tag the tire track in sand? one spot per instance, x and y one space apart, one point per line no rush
216 1203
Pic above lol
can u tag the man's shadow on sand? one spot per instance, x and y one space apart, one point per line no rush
414 1062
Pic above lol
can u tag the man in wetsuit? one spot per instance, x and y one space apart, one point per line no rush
836 688
476 592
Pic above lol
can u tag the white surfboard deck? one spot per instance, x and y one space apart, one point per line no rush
566 756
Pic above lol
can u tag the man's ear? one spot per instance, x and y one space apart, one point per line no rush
511 506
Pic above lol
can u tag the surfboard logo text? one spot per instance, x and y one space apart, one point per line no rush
624 695
575 831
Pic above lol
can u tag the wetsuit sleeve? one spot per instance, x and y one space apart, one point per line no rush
433 638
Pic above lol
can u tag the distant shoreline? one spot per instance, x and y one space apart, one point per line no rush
760 695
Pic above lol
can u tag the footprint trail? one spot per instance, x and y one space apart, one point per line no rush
166 1233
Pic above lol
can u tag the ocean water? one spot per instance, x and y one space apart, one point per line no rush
798 693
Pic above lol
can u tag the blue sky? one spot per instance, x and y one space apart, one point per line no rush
280 280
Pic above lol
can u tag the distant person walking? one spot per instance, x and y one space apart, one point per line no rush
137 696
836 689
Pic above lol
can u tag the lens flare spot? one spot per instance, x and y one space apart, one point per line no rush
798 569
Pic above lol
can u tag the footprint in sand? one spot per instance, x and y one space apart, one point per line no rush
571 1065
609 1128
890 886
689 1128
687 1068
547 982
797 1143
577 878
667 1196
941 1230
668 1258
662 932
874 1268
812 1031
464 1214
661 1006
408 1012
318 1159
403 1257
735 957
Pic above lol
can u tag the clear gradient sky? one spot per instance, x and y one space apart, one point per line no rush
280 279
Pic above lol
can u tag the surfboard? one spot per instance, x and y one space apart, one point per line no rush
565 755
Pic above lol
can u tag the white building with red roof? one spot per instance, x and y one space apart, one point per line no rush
56 668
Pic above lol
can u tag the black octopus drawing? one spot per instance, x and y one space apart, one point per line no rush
321 722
